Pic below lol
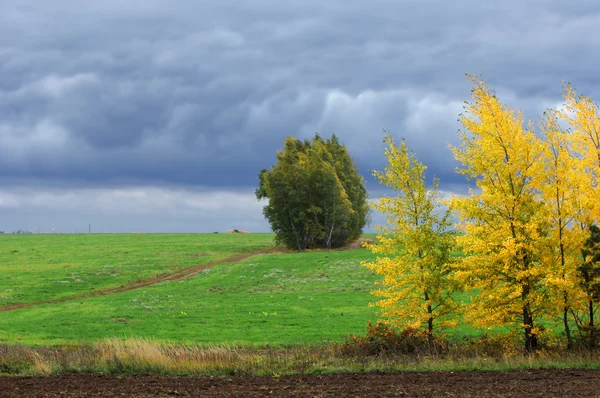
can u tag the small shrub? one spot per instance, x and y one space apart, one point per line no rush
490 346
382 339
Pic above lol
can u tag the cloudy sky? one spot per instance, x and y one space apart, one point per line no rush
156 115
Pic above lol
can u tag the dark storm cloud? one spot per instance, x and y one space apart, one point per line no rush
199 95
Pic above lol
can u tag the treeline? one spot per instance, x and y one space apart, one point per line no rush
527 231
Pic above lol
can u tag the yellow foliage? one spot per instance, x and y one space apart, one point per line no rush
501 219
523 224
413 251
583 118
563 188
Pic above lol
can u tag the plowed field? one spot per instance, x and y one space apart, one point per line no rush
536 383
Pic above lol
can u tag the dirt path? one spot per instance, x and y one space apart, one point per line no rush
178 275
534 383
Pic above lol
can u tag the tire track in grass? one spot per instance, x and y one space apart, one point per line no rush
177 276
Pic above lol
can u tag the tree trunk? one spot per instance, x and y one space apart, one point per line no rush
567 329
592 326
331 229
565 293
530 338
430 330
298 239
429 323
531 343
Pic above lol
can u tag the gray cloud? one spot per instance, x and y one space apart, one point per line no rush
194 95
145 209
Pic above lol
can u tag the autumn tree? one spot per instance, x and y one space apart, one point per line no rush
501 219
583 118
316 198
414 247
559 185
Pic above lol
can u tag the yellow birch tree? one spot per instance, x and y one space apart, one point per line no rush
413 251
501 219
559 186
583 118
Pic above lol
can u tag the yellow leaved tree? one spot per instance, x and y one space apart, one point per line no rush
583 117
501 220
560 186
413 251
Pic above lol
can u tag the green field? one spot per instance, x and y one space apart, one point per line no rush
263 311
44 267
276 299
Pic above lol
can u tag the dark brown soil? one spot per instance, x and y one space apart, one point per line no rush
534 383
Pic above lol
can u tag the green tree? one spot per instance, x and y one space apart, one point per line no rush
353 184
316 196
589 271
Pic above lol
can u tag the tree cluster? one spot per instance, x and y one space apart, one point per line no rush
316 198
527 230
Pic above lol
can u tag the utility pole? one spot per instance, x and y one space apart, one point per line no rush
89 228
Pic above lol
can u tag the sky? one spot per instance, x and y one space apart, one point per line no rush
157 116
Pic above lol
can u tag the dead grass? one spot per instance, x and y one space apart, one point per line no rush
140 356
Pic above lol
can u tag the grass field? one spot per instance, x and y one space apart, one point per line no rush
276 299
44 267
263 312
